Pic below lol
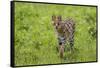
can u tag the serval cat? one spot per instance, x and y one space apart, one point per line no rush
65 32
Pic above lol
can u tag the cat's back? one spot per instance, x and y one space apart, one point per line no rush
69 21
69 24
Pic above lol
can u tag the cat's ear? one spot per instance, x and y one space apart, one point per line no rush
53 17
59 18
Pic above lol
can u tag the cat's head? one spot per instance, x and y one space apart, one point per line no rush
56 21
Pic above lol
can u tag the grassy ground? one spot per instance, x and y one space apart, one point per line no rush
35 38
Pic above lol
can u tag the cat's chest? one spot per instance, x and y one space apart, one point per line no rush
60 31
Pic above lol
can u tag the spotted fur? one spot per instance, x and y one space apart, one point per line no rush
65 32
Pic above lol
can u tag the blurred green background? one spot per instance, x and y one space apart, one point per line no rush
36 40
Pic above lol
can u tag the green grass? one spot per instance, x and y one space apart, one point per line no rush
36 40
